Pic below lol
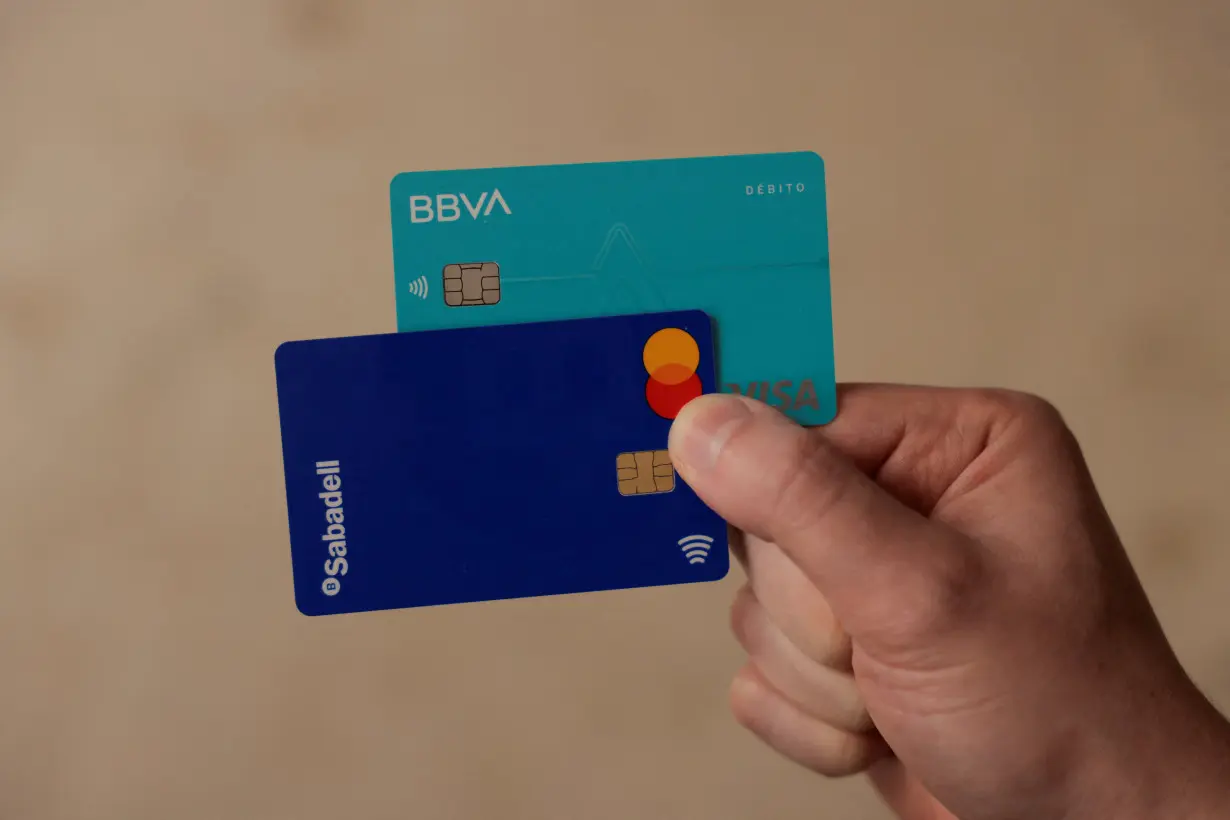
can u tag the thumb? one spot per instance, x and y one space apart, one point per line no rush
866 552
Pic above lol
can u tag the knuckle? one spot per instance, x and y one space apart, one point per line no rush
1027 408
1024 424
742 611
819 746
746 699
847 754
830 645
738 544
859 719
835 753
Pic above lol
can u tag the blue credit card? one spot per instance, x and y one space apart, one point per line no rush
499 462
744 238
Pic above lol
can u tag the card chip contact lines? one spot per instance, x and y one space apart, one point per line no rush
471 284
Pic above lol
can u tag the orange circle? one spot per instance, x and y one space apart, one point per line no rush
671 355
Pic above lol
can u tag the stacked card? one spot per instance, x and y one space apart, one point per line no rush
510 440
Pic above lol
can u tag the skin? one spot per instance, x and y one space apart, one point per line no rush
937 597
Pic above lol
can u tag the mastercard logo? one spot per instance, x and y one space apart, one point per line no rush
671 357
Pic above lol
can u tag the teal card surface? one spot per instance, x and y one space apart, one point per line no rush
743 238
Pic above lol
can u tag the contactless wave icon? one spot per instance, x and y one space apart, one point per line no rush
696 547
419 287
671 357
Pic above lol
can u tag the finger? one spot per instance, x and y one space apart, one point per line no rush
780 482
795 605
920 442
825 694
829 751
738 546
944 452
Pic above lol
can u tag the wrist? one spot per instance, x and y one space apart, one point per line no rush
1170 762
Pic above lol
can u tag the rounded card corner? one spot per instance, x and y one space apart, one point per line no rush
813 156
304 611
395 181
280 352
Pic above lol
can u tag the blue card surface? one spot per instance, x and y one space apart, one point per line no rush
496 462
744 238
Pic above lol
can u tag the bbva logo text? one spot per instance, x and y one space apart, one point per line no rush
447 207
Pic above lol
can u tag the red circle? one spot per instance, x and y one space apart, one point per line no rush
668 399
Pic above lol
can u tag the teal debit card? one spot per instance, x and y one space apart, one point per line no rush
743 238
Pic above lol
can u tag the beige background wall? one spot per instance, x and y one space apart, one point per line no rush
1033 194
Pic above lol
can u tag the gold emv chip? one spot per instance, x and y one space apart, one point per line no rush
471 283
645 472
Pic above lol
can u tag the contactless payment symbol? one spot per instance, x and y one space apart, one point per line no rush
696 547
419 287
671 357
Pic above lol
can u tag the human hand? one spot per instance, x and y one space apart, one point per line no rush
939 561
